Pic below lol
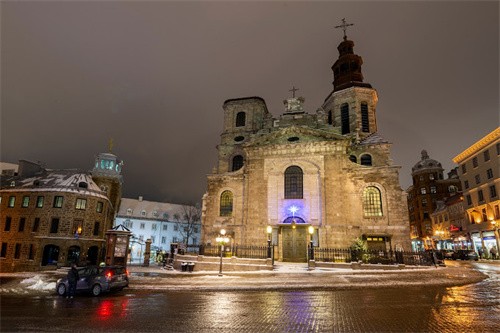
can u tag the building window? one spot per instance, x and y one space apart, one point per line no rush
469 199
31 253
366 160
464 168
424 202
483 212
372 202
344 118
480 195
8 221
176 227
431 176
486 155
39 202
493 191
58 201
17 251
240 119
141 238
237 163
26 201
433 189
3 252
165 216
152 239
128 224
226 204
474 162
498 148
96 228
12 201
22 222
143 213
36 224
477 178
165 227
153 226
155 213
81 204
330 118
293 183
195 230
163 239
489 173
423 190
353 159
129 211
142 226
99 207
365 120
174 239
54 225
466 184
77 228
195 240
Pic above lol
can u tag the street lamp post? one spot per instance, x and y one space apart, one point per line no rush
311 248
222 239
269 253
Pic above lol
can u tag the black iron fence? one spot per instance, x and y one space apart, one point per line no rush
320 254
373 256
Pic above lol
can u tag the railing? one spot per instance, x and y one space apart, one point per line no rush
251 251
241 251
372 256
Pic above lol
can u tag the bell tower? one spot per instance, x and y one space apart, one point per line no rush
351 106
107 175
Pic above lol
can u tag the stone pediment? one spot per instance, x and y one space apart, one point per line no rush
294 134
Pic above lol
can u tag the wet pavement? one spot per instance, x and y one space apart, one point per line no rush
420 307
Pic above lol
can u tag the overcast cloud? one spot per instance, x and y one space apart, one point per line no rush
154 75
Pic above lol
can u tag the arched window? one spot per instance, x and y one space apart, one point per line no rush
226 203
366 160
372 202
365 121
237 163
240 119
344 118
330 117
353 159
293 183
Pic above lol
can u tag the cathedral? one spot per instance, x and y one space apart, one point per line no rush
324 177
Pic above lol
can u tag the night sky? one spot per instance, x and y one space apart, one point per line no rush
154 75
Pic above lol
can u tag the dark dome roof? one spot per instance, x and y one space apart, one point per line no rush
426 163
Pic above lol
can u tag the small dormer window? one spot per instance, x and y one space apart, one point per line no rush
129 211
36 183
143 213
239 138
12 183
83 185
155 213
104 188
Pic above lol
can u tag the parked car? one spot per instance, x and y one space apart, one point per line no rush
96 280
465 255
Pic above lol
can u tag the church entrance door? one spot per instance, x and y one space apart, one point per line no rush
294 243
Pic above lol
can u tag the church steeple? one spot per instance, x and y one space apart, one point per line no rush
347 68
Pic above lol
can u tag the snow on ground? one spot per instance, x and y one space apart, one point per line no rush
37 283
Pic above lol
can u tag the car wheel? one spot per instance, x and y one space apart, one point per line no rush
96 290
61 289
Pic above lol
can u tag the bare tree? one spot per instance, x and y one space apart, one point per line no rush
189 223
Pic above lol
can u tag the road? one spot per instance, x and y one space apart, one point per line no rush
419 308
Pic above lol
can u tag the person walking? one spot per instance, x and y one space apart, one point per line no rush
493 252
73 278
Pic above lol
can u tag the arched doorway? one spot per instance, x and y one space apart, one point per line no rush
92 254
50 255
294 236
73 254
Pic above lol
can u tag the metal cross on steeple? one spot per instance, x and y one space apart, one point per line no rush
344 26
293 90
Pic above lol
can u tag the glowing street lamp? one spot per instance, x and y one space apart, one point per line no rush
269 231
222 239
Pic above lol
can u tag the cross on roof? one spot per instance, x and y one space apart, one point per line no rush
344 26
293 90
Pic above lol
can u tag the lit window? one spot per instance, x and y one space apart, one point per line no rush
423 190
226 203
26 201
433 189
12 201
99 207
58 201
372 202
81 204
39 202
77 228
143 213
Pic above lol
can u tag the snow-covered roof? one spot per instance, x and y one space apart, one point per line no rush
373 138
152 209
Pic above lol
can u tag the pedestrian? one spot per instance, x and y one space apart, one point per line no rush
480 252
73 278
493 252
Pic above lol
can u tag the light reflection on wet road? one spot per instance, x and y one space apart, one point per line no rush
471 308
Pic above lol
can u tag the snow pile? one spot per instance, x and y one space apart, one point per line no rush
36 283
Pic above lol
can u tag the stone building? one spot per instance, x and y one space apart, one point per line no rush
429 187
54 217
328 169
161 222
449 227
479 170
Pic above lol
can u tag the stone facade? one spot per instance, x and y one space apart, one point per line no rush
347 184
50 218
